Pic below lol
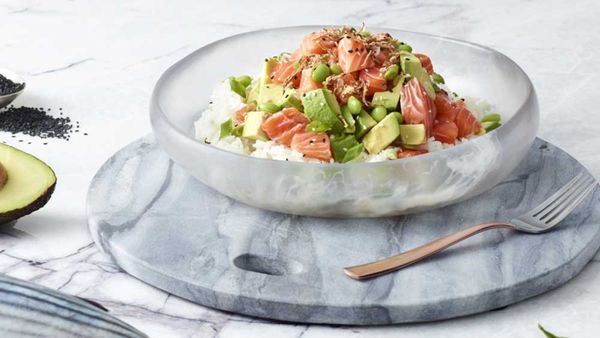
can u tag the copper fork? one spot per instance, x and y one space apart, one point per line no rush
541 219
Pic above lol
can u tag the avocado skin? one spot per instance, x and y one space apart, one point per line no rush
35 205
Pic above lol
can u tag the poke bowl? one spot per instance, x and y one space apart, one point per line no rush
365 186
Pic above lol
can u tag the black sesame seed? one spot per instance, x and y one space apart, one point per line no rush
350 51
7 86
35 122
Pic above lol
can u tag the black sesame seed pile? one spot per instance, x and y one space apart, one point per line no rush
37 122
7 86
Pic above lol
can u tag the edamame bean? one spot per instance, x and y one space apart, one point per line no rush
490 125
491 118
404 47
379 113
391 72
398 116
244 80
354 105
320 73
437 78
349 119
269 107
335 69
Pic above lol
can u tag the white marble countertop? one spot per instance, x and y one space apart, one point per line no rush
99 62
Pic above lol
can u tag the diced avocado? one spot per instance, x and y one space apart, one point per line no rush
272 92
353 153
388 99
321 105
265 77
364 122
412 134
237 87
340 144
412 66
382 135
252 129
318 127
290 99
226 128
252 91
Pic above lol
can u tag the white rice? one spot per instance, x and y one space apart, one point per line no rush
225 103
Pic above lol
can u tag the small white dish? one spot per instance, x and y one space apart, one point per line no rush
5 100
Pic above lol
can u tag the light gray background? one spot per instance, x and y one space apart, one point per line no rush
99 61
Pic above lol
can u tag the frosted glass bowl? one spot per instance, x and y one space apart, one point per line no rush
348 190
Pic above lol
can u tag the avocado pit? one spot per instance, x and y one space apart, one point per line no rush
3 176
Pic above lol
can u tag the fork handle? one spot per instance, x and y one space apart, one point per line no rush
407 258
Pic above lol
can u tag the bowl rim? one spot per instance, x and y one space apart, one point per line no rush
156 110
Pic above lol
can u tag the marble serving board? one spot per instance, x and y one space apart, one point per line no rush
167 229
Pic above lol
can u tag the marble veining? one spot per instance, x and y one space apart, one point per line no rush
181 236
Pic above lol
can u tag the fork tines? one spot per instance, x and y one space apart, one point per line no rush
560 204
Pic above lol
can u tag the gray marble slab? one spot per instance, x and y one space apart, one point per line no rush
165 228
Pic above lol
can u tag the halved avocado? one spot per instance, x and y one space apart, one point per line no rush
29 183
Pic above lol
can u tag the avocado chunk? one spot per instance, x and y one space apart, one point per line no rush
412 66
321 105
252 91
341 144
353 153
382 135
412 134
388 99
265 77
290 99
272 92
28 183
252 126
364 122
